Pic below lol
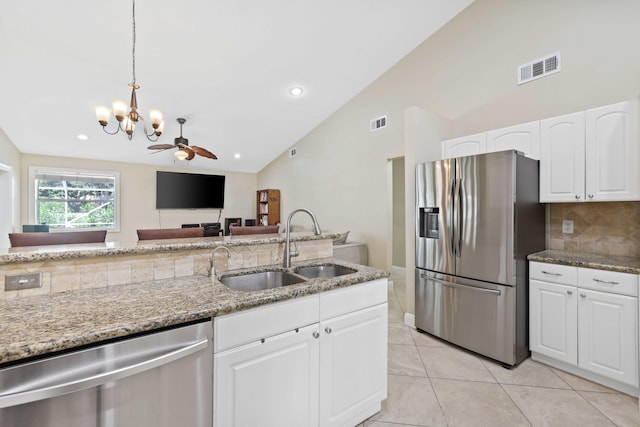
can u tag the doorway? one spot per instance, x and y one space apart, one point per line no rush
397 251
6 204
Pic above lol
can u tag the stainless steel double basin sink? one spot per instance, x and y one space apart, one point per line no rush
275 278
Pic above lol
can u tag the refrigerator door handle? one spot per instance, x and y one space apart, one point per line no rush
459 216
457 285
451 224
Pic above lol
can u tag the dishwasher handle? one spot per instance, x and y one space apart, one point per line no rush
101 378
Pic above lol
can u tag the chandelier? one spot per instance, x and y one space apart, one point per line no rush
127 120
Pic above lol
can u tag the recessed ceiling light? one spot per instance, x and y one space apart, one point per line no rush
296 91
237 155
82 137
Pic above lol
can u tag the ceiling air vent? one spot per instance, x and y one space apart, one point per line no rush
539 68
378 123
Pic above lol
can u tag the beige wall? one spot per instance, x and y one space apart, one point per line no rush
398 213
138 195
465 73
9 189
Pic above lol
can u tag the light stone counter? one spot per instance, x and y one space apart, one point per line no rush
38 325
621 264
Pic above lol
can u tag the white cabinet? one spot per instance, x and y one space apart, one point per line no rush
464 146
607 335
523 137
353 366
319 360
274 380
591 156
585 318
553 321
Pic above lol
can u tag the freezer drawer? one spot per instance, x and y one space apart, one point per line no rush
478 316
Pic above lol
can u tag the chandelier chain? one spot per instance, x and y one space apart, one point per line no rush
133 50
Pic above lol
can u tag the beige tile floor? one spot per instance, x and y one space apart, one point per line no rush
434 384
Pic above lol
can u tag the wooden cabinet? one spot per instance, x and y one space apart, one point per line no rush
268 207
464 146
591 156
587 319
319 360
523 137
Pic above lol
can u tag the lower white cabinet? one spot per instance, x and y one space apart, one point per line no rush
585 318
314 361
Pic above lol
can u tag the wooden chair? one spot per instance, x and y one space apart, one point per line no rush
257 229
169 233
57 238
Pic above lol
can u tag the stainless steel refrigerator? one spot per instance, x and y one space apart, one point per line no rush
477 218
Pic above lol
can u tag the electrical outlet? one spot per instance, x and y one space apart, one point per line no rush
567 226
17 282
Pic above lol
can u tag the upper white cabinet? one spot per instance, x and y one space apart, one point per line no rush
591 156
524 138
464 146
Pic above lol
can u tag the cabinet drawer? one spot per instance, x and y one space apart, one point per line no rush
347 300
553 273
608 281
243 327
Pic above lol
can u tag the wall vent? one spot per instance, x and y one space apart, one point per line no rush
378 123
539 68
292 152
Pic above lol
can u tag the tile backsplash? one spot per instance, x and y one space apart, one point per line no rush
607 228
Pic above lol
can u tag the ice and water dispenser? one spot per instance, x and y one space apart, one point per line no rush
429 226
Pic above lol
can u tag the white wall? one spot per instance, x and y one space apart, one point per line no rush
138 195
9 189
465 73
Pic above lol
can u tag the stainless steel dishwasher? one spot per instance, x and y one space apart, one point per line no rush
163 379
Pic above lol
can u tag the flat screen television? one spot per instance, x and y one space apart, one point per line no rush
176 190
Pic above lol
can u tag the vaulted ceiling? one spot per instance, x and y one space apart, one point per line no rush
226 67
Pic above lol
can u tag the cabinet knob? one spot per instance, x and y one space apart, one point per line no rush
583 295
316 334
327 330
569 292
577 196
590 196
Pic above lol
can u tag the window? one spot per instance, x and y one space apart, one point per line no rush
77 199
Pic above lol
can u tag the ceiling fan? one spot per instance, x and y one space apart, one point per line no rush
185 151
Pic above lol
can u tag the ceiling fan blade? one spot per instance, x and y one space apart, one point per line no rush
161 147
191 154
203 152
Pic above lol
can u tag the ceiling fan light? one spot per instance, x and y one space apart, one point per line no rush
181 154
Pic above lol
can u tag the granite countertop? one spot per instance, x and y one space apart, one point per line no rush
621 264
59 252
38 325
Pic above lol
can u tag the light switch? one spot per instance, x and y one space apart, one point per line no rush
567 226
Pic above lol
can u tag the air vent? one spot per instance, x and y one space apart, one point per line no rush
378 123
539 68
292 152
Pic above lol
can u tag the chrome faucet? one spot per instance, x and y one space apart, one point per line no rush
288 253
213 262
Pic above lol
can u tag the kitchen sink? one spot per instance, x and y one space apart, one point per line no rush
260 281
326 270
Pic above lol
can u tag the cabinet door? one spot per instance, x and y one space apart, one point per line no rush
464 146
524 137
353 366
553 328
612 152
270 383
607 337
562 158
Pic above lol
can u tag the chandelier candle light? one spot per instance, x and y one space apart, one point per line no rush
127 120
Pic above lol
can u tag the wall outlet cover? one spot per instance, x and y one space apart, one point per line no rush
567 226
